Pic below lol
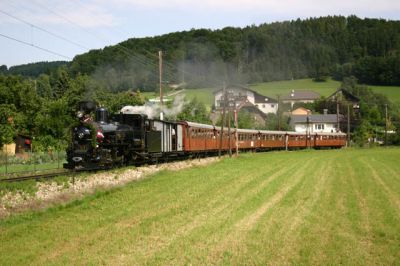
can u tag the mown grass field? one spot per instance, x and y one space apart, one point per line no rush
282 88
306 207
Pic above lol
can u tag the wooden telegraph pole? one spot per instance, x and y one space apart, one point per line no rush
386 124
279 114
223 119
229 130
348 124
160 66
337 114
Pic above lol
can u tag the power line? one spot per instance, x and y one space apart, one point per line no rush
125 50
128 52
44 30
65 18
119 46
37 47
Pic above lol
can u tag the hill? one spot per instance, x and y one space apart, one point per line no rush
316 47
307 207
33 69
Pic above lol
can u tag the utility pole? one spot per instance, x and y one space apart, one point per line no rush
386 124
348 124
160 65
236 131
279 114
308 132
229 130
337 114
223 119
183 73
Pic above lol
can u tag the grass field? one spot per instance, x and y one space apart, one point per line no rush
307 207
20 168
272 89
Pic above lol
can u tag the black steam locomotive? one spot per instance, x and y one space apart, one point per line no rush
113 140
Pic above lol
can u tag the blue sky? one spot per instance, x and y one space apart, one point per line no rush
90 24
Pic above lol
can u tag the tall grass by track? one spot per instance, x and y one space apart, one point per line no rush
306 207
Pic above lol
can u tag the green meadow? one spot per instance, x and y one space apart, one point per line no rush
282 88
299 207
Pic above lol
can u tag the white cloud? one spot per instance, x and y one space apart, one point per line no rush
61 12
300 7
107 13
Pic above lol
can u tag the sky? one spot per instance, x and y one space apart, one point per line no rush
51 30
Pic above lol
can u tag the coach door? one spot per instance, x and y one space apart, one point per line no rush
179 137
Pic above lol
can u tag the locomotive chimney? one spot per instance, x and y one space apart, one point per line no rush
101 115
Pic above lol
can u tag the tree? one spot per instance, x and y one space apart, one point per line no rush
43 86
194 111
60 82
53 123
7 132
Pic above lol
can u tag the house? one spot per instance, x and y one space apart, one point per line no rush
238 95
300 96
318 123
21 144
301 111
342 95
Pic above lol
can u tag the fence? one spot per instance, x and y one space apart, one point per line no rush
31 162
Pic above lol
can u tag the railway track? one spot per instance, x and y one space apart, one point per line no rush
36 176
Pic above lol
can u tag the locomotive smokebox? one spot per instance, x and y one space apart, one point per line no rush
102 115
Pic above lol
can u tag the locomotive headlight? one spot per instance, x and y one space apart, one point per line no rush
81 135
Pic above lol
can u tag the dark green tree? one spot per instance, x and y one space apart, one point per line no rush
194 111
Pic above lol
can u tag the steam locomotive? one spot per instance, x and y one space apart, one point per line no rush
129 138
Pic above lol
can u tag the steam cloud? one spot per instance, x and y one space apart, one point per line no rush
154 110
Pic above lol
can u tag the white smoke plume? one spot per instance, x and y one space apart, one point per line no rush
153 110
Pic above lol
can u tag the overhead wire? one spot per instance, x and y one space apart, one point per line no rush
167 72
118 46
44 30
36 46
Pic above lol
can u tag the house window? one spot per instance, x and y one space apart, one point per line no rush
319 126
272 105
263 106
